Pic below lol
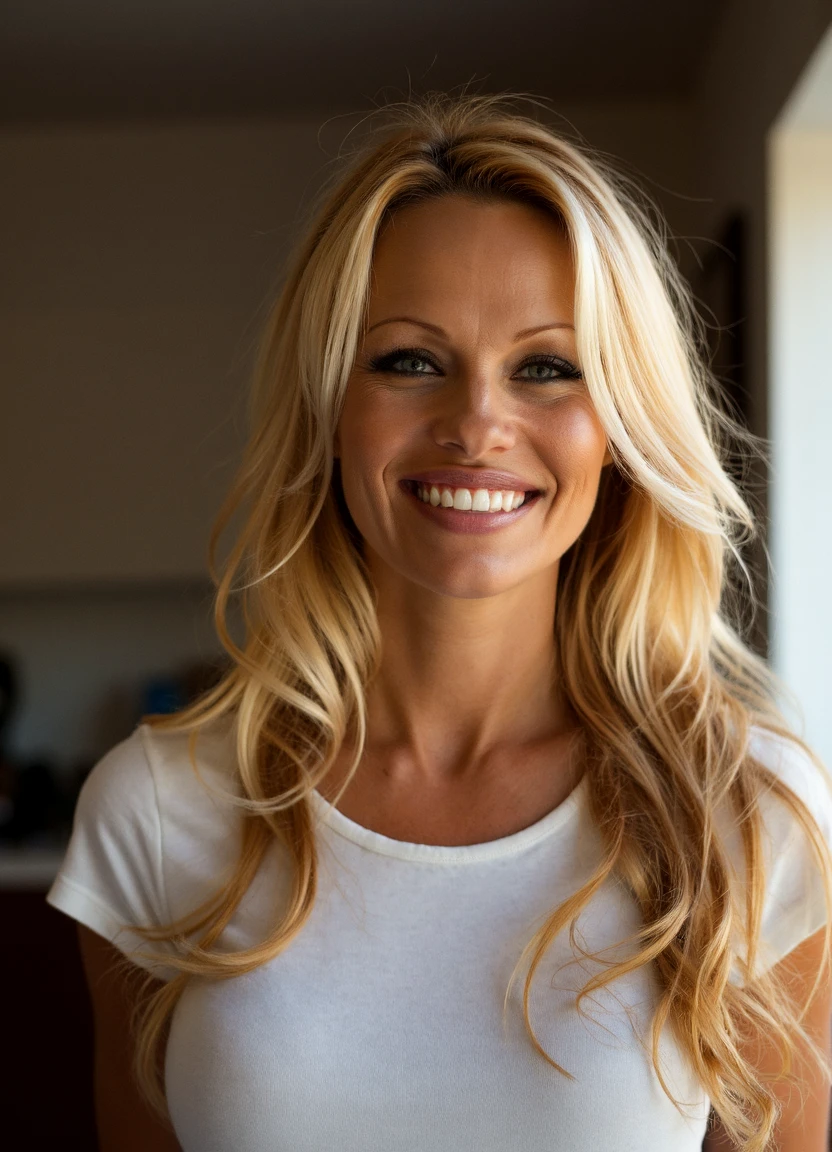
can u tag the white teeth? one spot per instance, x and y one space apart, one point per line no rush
464 500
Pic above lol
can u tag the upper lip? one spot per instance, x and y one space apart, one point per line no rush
473 478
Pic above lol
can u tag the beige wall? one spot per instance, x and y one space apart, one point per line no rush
135 262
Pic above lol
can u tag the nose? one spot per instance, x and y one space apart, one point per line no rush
473 415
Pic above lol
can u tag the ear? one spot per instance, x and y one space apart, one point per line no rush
607 458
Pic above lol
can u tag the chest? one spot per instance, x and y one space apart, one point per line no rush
496 804
381 1027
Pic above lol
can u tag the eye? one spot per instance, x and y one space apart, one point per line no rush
563 369
415 361
413 356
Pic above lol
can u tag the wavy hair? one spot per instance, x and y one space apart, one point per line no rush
647 625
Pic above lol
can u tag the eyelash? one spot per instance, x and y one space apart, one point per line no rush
385 361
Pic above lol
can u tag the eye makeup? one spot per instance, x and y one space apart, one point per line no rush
385 362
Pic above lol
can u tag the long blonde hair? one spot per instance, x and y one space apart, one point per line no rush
648 635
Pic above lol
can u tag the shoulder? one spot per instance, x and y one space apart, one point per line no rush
794 898
192 782
153 769
198 766
123 771
805 778
163 806
153 833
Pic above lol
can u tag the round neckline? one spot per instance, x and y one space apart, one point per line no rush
505 846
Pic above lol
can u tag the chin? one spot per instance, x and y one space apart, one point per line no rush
468 581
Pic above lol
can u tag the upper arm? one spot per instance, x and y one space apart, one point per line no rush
806 1128
125 1123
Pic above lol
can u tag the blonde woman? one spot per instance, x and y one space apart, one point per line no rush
492 837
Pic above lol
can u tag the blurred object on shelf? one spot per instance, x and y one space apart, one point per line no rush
162 695
37 806
8 693
168 693
8 698
32 802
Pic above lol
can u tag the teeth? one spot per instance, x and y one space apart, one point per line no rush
464 500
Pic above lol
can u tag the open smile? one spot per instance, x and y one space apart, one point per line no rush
469 510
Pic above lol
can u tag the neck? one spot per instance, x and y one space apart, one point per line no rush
462 679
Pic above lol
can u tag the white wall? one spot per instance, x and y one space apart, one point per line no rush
800 230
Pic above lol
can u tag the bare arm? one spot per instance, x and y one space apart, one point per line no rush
125 1124
806 1129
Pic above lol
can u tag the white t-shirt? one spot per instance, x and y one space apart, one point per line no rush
379 1028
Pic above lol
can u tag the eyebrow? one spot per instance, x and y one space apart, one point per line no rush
441 332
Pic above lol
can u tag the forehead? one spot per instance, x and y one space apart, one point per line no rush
456 252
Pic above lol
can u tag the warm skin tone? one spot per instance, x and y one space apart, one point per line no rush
466 716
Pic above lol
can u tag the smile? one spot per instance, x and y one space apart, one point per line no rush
469 510
468 500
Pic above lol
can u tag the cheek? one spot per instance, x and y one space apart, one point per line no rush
576 443
368 438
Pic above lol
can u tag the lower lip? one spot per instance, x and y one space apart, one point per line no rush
472 523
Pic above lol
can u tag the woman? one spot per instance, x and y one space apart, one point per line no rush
463 861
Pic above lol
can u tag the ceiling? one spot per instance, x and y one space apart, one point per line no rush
149 59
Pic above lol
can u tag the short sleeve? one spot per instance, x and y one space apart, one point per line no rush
794 905
111 874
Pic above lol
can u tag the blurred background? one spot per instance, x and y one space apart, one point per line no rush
156 161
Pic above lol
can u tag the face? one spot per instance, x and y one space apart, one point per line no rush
466 385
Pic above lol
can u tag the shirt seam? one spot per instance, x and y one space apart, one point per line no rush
160 871
95 898
437 859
